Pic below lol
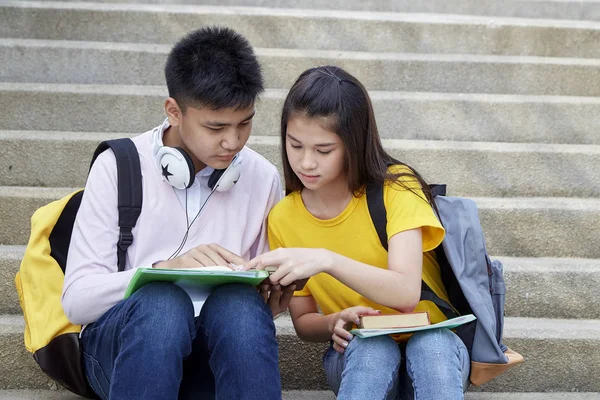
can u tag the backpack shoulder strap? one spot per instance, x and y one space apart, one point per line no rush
377 211
378 214
129 178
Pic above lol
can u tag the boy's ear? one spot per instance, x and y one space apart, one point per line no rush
173 111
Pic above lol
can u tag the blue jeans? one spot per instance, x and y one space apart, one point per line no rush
150 346
437 367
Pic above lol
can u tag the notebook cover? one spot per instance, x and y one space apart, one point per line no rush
450 324
207 279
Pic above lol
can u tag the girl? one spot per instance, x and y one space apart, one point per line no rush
331 150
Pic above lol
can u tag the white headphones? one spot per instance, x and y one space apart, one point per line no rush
177 168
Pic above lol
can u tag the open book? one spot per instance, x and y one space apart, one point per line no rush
197 282
450 324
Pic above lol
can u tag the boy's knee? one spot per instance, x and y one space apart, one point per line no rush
162 303
238 305
239 299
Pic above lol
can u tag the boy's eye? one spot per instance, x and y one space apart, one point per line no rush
215 129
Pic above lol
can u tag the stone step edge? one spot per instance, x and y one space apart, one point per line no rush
511 264
309 53
159 90
503 203
273 140
376 16
31 394
514 327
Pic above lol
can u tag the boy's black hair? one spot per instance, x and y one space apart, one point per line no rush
213 67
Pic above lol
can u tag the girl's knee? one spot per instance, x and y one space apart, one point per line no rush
438 346
382 350
434 340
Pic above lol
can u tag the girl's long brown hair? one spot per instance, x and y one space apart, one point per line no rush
339 98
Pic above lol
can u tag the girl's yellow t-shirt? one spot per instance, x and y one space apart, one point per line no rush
353 235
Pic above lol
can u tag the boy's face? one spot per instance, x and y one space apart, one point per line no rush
316 155
212 137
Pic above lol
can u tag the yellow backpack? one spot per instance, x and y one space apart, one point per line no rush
49 335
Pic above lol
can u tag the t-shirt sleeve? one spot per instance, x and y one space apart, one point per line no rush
275 243
407 209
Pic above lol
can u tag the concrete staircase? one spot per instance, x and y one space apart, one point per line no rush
500 100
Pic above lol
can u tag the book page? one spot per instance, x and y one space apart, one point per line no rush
198 294
209 268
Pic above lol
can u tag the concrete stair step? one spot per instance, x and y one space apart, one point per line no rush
427 116
61 159
556 9
561 356
514 227
29 394
325 29
537 287
58 61
32 394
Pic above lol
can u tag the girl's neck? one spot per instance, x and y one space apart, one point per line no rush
327 202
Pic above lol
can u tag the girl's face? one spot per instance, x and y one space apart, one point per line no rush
316 155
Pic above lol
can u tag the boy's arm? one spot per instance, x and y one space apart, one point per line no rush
91 284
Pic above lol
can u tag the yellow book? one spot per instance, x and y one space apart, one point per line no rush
389 321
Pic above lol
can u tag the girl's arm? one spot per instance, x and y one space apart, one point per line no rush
310 325
314 327
398 287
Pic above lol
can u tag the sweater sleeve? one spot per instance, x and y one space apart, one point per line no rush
261 245
92 284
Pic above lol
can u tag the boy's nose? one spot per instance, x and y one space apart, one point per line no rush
231 141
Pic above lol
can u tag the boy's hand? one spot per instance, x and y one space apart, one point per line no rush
202 256
342 323
278 299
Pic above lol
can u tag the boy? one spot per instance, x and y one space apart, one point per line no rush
151 345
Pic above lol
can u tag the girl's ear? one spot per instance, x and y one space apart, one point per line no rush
173 111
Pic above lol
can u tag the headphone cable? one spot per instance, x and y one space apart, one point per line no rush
189 224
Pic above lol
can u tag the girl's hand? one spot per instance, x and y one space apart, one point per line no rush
342 323
293 264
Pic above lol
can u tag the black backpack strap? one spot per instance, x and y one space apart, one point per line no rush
437 190
428 294
377 210
378 213
129 177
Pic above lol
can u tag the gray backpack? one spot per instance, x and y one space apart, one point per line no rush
474 283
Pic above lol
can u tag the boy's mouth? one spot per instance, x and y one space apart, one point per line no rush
226 157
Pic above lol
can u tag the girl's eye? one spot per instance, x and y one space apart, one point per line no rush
295 146
325 152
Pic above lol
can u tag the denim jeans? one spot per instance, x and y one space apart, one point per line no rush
150 346
436 366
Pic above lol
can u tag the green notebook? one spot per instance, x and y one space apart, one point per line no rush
206 279
450 324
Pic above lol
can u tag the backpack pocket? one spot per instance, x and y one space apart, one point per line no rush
498 293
